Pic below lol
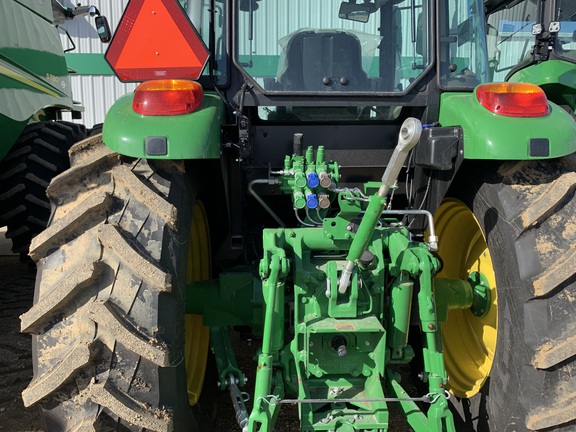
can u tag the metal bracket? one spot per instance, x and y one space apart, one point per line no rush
244 137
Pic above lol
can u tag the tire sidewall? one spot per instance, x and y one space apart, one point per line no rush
501 391
498 407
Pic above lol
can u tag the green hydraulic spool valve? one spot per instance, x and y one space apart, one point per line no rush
300 180
320 155
299 200
409 135
309 156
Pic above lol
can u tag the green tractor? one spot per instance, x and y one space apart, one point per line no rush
34 92
535 41
341 184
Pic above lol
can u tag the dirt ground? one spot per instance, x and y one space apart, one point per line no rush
16 295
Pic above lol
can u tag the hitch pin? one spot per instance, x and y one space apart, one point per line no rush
409 135
238 399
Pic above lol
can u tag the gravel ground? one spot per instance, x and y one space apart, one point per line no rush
16 294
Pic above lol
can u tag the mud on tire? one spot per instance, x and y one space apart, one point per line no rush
108 312
40 154
527 211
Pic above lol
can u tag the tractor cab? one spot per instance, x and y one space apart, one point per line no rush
334 50
373 57
344 48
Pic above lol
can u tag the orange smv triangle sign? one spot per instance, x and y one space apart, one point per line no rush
156 40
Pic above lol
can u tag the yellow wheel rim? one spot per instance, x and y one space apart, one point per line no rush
197 335
469 341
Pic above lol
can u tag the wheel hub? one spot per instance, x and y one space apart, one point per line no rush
469 336
482 294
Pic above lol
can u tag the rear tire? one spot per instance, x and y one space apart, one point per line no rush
527 213
108 312
39 155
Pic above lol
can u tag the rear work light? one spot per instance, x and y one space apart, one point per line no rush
513 99
167 97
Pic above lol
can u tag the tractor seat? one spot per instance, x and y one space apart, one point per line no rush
323 61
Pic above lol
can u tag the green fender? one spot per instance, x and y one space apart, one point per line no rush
492 136
556 77
189 136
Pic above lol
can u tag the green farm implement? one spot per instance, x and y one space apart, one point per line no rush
34 94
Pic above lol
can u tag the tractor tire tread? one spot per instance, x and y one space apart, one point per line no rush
528 211
39 154
114 322
64 292
129 409
112 239
72 224
105 266
62 372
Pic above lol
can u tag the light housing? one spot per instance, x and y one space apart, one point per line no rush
513 99
167 97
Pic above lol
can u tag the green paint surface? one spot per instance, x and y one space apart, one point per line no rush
556 77
189 136
491 136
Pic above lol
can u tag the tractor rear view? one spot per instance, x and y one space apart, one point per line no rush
335 180
34 92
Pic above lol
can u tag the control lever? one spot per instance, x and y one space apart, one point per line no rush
409 135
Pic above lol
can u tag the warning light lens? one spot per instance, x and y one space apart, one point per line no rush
513 99
167 97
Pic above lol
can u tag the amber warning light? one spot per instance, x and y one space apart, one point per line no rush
167 97
513 99
156 40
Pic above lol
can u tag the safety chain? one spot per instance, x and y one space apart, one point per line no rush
427 398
